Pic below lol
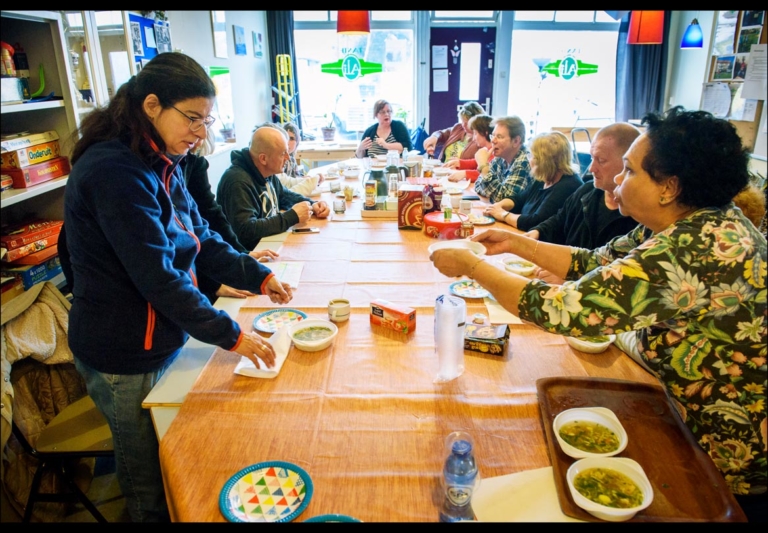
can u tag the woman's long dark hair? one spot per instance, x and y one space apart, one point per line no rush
172 77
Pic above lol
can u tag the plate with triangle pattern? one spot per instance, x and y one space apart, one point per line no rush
272 491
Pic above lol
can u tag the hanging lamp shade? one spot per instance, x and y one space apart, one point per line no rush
693 36
646 27
353 22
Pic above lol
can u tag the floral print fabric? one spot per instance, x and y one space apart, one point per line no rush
695 294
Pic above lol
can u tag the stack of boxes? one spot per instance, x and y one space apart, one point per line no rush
32 158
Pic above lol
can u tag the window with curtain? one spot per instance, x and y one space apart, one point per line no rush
327 98
573 96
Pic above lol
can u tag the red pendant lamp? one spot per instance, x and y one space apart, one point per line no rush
353 22
646 27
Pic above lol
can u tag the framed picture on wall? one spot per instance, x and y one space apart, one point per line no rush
163 38
219 25
239 40
258 46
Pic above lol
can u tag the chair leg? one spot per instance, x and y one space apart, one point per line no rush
81 496
33 490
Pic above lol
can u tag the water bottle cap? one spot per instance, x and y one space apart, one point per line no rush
461 447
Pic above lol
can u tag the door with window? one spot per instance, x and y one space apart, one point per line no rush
461 71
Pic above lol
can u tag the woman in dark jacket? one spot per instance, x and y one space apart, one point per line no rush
455 141
136 243
387 134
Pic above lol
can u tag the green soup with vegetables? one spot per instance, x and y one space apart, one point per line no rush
313 333
608 487
589 437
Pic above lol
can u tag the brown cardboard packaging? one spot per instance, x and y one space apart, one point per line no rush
409 207
486 338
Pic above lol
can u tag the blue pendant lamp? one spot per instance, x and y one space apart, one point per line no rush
693 37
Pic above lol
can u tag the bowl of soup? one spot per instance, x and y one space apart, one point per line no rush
461 244
596 344
610 488
589 432
313 334
519 266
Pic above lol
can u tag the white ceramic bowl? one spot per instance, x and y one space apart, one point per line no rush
440 172
598 415
590 347
461 244
519 266
623 465
353 173
312 346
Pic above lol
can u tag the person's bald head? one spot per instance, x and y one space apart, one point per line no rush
269 150
607 150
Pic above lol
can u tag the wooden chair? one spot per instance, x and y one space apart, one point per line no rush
79 431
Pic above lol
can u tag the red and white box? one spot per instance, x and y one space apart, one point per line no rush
393 316
39 173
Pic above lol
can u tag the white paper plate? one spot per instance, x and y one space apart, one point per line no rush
458 244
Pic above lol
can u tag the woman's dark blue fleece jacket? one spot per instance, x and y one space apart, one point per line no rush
136 242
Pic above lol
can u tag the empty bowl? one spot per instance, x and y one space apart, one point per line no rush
619 485
312 334
589 432
519 266
352 173
591 344
460 244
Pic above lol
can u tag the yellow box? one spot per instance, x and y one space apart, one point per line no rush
31 155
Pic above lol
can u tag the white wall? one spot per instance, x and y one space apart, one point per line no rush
687 68
191 33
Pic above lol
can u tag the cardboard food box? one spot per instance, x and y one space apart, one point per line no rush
15 141
39 173
31 155
393 316
409 207
486 338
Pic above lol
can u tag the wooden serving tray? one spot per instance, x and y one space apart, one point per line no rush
686 484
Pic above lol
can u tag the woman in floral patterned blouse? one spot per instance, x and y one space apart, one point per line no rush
685 291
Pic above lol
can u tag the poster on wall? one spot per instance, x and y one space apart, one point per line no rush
239 40
748 37
224 109
219 25
138 46
724 68
163 38
725 32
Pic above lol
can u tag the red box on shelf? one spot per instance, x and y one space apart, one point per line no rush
39 173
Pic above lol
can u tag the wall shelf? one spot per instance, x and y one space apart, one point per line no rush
14 196
33 106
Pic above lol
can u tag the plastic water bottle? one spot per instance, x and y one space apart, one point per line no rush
459 478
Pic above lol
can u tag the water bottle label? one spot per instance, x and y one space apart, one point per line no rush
459 495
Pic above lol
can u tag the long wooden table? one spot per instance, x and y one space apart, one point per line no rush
363 417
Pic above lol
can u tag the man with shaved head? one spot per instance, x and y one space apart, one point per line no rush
590 217
252 197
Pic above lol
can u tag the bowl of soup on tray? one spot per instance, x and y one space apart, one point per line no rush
589 432
313 334
610 488
596 344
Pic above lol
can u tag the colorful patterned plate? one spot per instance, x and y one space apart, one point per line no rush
332 518
271 321
273 491
469 289
481 220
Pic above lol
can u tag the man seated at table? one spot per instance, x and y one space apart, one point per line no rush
509 172
590 217
252 196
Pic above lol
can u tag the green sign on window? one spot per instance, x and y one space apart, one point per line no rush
351 67
569 67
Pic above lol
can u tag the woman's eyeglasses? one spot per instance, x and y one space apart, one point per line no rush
196 123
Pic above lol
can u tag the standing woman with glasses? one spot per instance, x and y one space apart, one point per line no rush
386 134
136 244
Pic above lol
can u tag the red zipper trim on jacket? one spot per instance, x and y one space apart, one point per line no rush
150 327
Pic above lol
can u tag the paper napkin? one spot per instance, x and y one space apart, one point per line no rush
528 496
498 315
281 342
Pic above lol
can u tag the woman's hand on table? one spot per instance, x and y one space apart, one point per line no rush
454 262
231 292
461 175
264 255
278 291
253 346
321 209
496 211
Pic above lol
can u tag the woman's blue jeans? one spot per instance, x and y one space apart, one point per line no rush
137 460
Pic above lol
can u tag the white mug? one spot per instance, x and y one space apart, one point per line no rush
338 310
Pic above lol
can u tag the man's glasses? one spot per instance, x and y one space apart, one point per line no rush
196 123
498 137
